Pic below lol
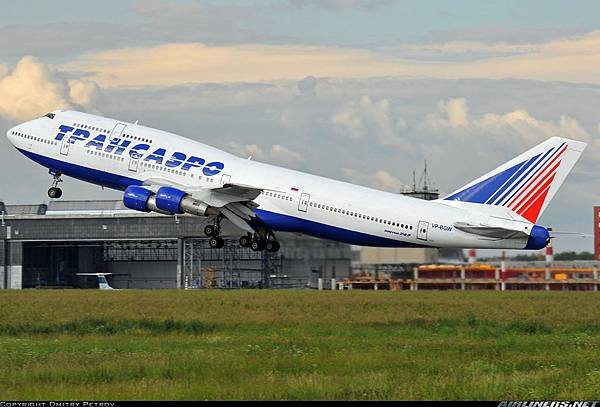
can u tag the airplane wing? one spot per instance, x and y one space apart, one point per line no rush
234 201
492 232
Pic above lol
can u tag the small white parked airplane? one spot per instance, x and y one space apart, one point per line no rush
102 281
169 174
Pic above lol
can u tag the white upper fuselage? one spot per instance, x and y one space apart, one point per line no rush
291 200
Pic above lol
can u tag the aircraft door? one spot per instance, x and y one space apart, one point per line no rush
64 145
422 230
303 204
134 162
117 131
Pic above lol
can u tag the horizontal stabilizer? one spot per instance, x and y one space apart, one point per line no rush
493 232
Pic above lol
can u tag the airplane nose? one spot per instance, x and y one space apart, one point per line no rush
11 135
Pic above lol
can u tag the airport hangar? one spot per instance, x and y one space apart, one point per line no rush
46 245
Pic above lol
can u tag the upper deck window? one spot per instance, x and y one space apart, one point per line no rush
50 115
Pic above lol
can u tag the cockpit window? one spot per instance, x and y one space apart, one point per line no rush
50 115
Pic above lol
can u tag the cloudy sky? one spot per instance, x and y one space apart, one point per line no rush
362 91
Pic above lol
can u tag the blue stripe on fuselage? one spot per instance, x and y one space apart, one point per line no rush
288 223
272 220
91 175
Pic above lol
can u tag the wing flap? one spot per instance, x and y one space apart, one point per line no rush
236 220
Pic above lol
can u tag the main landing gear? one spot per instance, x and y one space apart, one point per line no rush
258 244
213 231
55 192
255 242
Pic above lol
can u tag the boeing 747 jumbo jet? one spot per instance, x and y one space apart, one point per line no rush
169 174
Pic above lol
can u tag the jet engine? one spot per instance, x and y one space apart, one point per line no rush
167 200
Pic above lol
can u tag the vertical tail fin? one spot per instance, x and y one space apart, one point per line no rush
527 183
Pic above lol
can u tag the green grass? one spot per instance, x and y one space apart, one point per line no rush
299 345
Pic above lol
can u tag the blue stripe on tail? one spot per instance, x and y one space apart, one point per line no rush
482 191
516 178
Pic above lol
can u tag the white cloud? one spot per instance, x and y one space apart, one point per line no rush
277 154
459 50
572 59
453 113
284 155
176 64
381 179
32 89
84 92
247 150
368 118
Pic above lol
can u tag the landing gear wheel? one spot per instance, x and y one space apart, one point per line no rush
272 246
55 193
211 230
216 242
246 241
258 245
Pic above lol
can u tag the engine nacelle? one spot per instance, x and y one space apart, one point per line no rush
136 198
141 199
167 200
175 200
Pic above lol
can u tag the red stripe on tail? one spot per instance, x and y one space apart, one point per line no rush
535 188
532 210
560 153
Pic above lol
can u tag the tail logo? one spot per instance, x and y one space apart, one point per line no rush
521 188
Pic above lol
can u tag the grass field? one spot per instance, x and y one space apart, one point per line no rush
299 345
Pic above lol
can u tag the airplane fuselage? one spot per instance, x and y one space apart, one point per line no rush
116 154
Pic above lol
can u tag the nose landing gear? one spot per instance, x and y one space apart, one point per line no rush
55 192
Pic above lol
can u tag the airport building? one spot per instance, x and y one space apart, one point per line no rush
47 245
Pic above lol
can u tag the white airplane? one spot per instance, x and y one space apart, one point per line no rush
169 174
102 281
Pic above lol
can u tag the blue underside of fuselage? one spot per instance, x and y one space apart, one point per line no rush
272 220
